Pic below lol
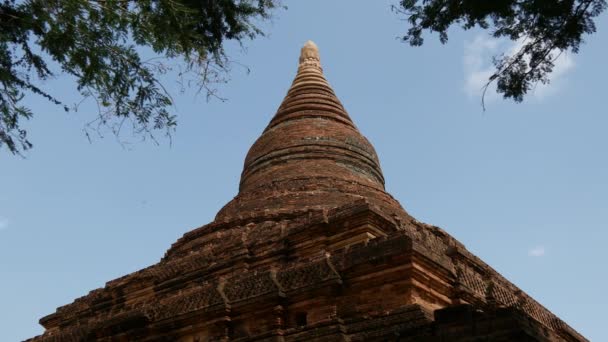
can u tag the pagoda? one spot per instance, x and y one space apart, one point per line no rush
312 248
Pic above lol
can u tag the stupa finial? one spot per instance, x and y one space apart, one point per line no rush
309 56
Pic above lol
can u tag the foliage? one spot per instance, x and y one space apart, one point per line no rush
99 43
546 28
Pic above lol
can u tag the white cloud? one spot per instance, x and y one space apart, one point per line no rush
3 223
478 67
563 64
537 251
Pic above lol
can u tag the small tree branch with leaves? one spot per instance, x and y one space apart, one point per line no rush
98 42
547 28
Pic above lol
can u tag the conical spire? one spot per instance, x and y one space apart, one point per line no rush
310 154
310 92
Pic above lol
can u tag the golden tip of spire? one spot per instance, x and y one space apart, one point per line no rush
309 56
311 44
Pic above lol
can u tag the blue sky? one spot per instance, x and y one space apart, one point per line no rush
523 186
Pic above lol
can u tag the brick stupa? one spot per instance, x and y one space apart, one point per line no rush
311 248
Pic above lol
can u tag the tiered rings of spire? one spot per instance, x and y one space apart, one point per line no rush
311 154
